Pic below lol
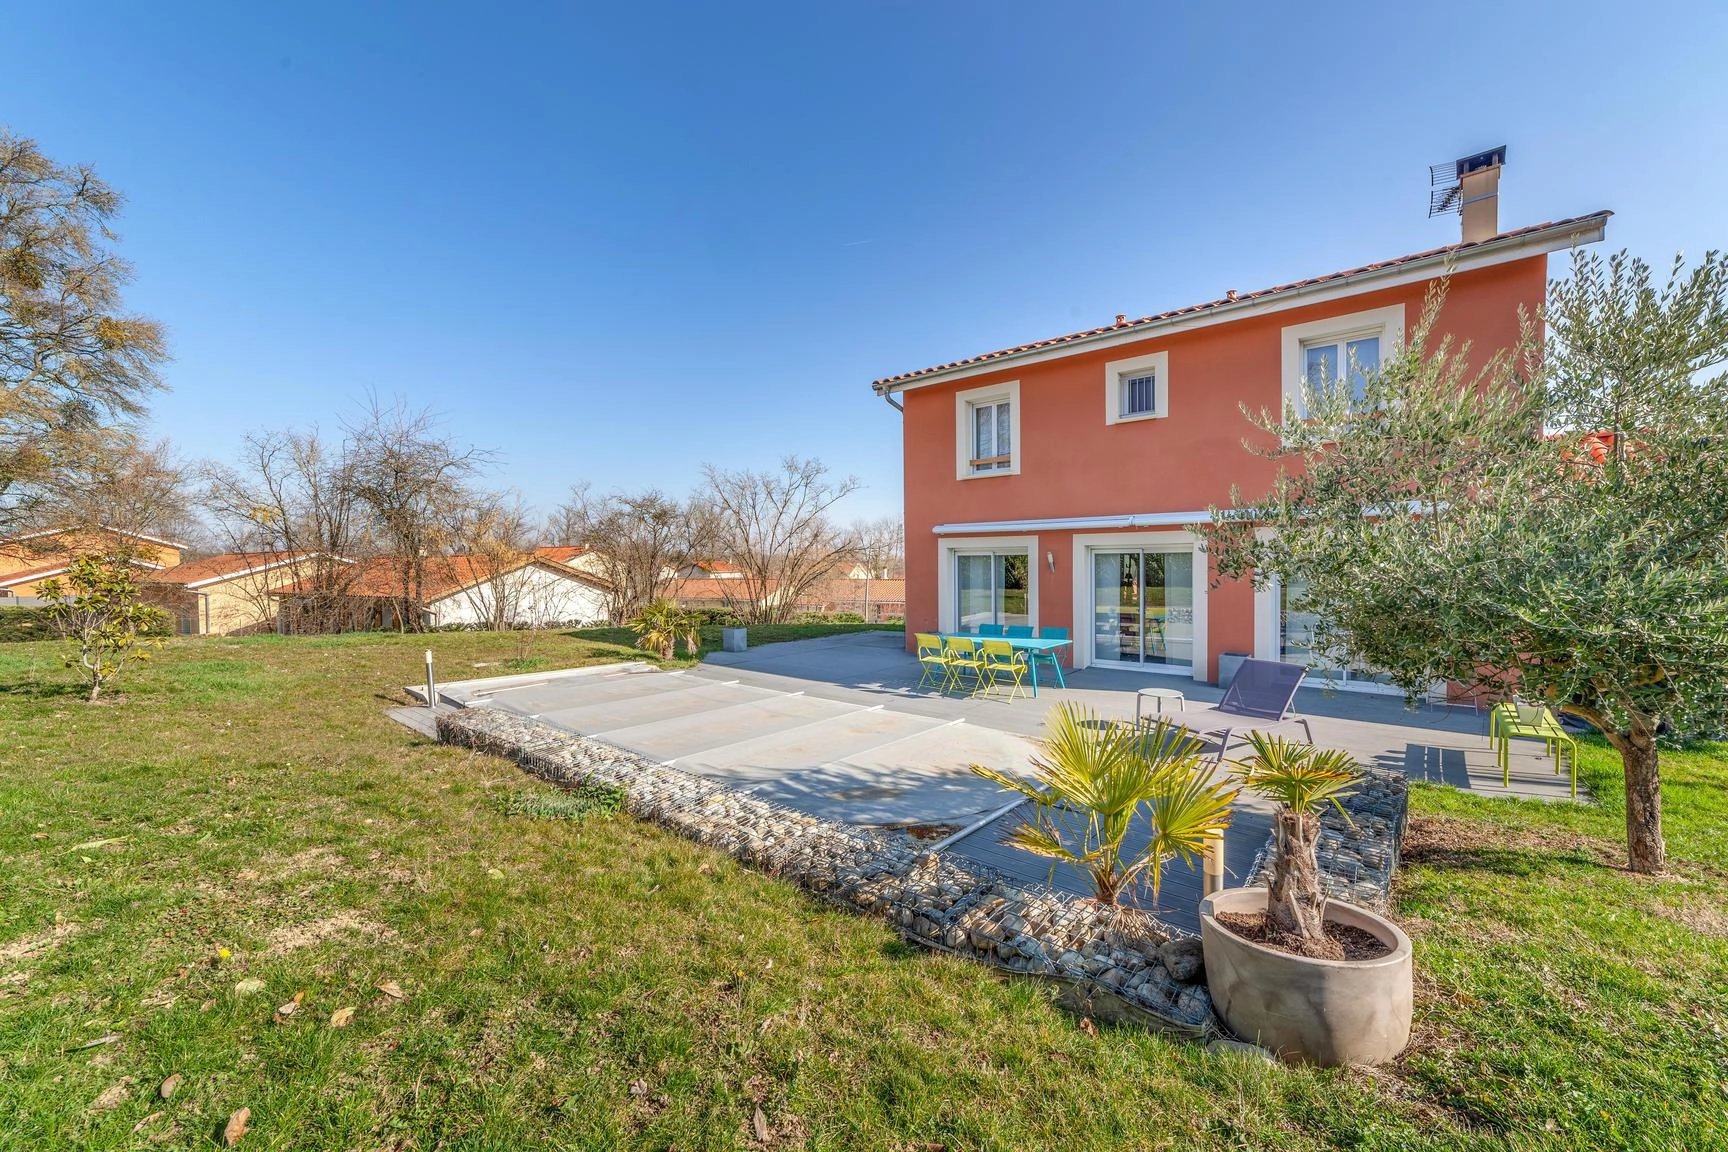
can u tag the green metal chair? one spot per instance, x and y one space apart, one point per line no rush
933 664
992 630
1019 632
1002 662
1051 657
961 658
1511 721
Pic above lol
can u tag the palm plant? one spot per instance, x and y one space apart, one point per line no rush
1092 779
658 627
1301 779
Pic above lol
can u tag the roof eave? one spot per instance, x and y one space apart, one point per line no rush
1572 233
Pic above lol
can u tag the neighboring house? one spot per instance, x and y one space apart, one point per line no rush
27 561
574 556
223 594
1054 483
455 591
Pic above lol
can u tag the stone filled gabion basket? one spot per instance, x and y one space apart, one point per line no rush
1113 963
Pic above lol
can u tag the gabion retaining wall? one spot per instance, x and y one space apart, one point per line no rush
1358 848
1115 963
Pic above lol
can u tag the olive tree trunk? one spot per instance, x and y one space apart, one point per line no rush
1645 849
1296 906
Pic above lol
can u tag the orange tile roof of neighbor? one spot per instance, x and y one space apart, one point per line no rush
1235 299
560 553
222 566
444 576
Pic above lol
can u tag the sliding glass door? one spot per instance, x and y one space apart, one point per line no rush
1296 646
992 588
1143 608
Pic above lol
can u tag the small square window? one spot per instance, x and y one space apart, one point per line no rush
1140 394
1137 388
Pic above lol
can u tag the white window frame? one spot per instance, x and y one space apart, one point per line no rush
1117 372
1387 323
1173 540
949 549
964 402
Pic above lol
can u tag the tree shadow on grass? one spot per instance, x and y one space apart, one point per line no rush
1459 846
43 690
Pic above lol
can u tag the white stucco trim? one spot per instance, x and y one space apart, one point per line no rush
1158 363
946 550
964 401
1386 323
1173 540
1080 523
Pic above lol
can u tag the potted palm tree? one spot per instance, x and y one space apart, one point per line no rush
1315 980
1092 779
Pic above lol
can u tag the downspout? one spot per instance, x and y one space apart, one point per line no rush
893 403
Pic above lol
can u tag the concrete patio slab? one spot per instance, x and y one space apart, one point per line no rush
839 728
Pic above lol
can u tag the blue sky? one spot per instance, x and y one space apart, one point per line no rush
615 242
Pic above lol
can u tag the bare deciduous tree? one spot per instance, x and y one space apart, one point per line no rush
411 479
292 494
112 479
774 525
880 546
639 540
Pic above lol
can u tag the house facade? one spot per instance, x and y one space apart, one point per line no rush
455 591
27 561
224 594
1058 483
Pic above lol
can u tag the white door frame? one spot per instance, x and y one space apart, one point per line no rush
1269 634
948 547
1172 540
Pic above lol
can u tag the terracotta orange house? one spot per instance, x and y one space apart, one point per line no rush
1055 484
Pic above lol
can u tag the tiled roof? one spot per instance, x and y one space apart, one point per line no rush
560 553
1123 324
222 566
29 574
444 576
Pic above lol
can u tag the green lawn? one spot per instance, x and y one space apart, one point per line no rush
571 979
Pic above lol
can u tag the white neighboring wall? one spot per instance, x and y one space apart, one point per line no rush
534 596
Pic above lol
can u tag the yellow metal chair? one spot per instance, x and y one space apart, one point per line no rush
930 659
962 659
1003 662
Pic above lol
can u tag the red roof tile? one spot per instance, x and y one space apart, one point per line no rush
1124 324
222 566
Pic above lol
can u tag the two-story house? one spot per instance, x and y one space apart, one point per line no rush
1056 483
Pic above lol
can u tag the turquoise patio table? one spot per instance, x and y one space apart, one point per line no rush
1023 644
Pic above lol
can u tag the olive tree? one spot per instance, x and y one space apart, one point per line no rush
1551 520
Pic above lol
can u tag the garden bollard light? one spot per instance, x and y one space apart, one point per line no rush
431 685
1214 874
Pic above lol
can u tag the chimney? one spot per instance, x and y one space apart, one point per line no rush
1479 194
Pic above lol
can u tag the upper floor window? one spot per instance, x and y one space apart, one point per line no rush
1327 361
1137 389
988 422
1348 348
992 436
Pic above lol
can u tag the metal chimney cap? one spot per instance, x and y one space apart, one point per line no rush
1493 158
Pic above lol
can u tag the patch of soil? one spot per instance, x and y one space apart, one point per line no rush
1444 841
1353 943
345 923
930 831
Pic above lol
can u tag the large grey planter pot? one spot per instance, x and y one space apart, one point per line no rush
734 640
1326 1012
